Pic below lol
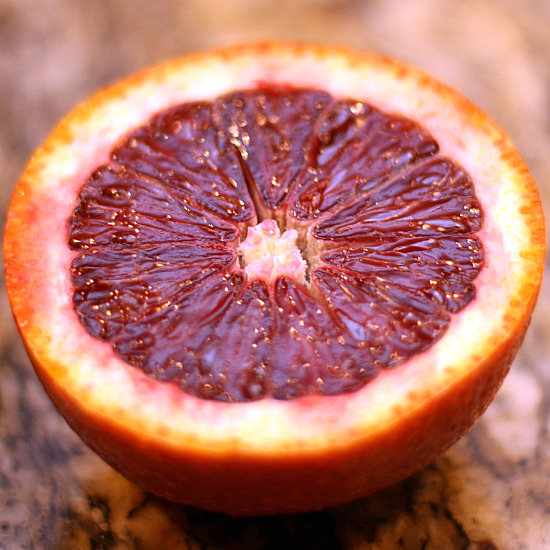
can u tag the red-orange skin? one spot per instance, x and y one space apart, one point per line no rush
303 482
251 483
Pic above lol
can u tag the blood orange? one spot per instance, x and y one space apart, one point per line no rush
273 278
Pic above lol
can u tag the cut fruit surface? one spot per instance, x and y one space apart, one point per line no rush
282 150
273 278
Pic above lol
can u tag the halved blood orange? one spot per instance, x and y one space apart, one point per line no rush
273 278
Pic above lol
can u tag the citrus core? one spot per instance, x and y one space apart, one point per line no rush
273 278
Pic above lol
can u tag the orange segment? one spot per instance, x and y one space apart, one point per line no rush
357 147
310 449
182 148
271 128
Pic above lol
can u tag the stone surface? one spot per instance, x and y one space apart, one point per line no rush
490 491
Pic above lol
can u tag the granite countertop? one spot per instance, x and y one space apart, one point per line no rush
490 491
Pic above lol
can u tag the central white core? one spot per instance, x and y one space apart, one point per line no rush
267 254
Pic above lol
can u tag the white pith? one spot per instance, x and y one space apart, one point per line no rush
267 254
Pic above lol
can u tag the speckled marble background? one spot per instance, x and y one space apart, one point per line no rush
490 491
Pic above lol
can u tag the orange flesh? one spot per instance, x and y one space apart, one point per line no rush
401 221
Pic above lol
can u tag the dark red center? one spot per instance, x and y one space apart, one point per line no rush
386 223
